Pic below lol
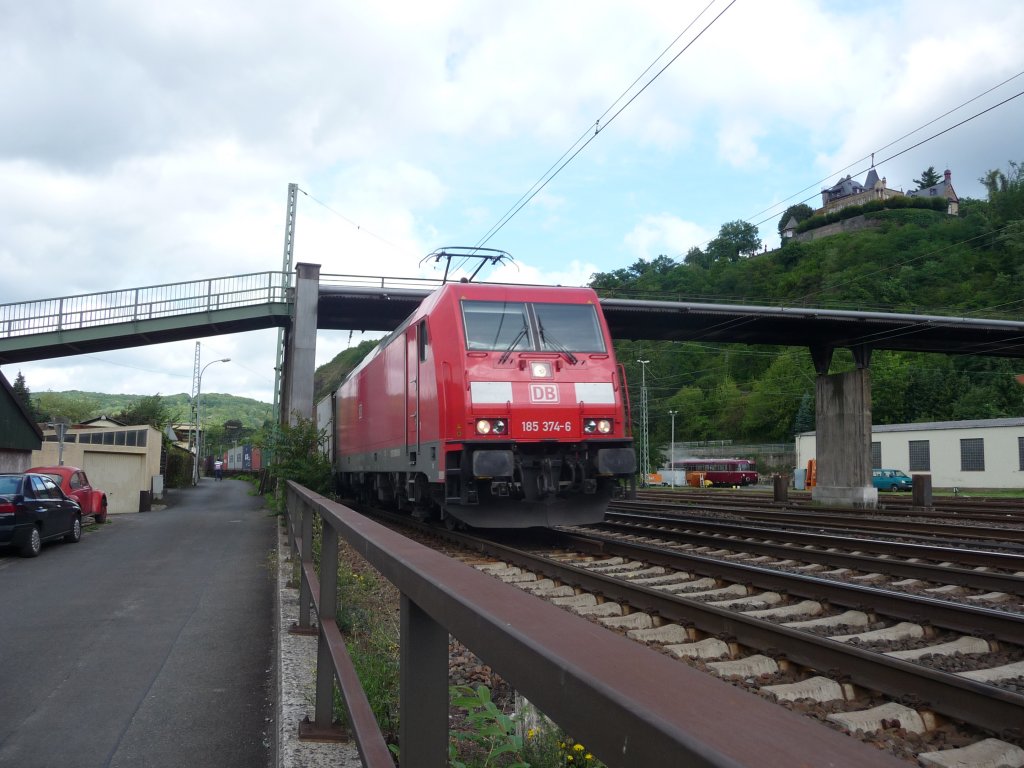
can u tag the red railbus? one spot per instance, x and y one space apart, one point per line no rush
720 472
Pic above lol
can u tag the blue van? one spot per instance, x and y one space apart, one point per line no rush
891 480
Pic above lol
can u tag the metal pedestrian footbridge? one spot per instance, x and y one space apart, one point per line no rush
96 322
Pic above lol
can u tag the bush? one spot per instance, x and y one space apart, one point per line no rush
876 207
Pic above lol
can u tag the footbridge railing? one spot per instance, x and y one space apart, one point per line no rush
154 302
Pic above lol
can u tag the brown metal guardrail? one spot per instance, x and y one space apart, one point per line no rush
629 705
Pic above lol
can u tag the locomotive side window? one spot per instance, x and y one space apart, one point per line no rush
569 327
422 341
496 325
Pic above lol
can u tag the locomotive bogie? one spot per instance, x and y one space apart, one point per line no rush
495 405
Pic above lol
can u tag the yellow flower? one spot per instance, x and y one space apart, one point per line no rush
568 758
577 747
531 733
589 756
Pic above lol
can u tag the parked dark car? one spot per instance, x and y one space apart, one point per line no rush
34 509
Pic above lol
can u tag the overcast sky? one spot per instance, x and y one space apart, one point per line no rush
145 142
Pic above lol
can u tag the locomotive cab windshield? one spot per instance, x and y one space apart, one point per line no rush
506 327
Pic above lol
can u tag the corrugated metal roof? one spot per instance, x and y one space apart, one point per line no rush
922 426
966 424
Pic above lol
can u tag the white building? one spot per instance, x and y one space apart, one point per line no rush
986 453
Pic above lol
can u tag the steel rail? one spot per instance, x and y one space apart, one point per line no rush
841 520
991 708
724 534
990 510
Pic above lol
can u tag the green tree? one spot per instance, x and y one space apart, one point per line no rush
151 409
800 211
776 396
24 395
1005 195
695 257
929 178
65 406
736 240
298 455
805 416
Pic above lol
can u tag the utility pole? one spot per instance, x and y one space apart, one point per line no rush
193 438
286 281
672 448
645 438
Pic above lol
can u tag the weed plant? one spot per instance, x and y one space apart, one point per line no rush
489 738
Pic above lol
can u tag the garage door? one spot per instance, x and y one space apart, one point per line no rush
121 475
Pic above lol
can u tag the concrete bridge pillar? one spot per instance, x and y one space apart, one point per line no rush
300 347
844 435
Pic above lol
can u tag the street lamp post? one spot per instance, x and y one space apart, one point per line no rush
672 448
199 421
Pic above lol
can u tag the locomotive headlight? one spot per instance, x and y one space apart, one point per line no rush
604 426
590 426
500 426
483 427
540 369
598 426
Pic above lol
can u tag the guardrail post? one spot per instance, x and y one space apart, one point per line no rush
423 681
328 610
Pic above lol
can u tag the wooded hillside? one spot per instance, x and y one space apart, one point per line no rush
917 261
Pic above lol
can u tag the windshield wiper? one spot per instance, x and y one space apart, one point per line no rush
508 352
558 346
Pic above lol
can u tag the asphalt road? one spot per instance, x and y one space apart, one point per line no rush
150 643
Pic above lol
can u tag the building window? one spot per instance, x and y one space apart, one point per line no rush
876 455
972 454
920 456
1020 453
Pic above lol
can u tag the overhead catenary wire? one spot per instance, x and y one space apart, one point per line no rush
359 227
593 132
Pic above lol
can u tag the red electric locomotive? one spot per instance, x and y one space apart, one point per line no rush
494 405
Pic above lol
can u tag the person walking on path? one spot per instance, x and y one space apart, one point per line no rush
218 467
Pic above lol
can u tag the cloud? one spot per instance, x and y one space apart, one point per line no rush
665 234
147 144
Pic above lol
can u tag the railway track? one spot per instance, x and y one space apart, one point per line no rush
977 508
878 643
1008 533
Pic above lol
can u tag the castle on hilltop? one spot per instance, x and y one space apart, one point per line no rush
848 191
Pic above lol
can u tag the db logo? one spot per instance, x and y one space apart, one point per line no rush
543 393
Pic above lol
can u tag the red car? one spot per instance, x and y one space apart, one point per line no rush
75 485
